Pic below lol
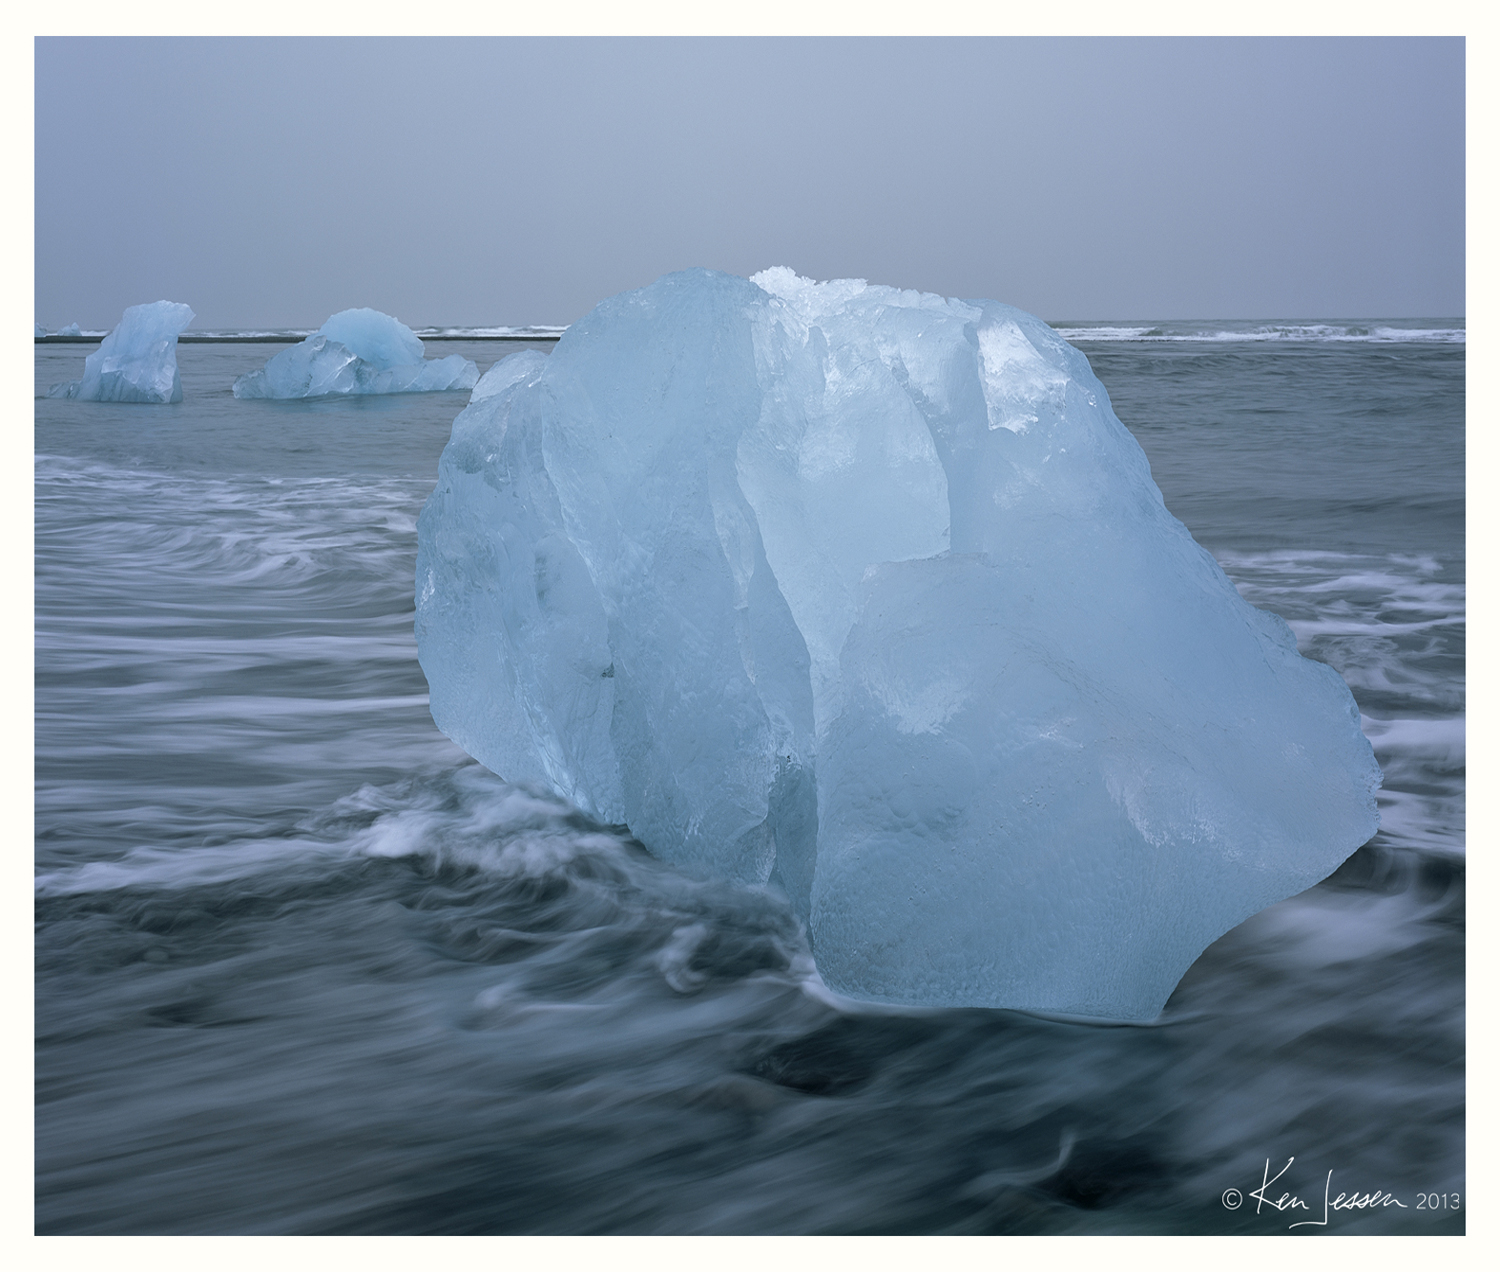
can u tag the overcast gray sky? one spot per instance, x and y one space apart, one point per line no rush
273 182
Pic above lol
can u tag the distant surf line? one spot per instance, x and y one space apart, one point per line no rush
1103 334
519 334
1261 332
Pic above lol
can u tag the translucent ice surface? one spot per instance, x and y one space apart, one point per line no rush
136 362
527 364
357 351
867 595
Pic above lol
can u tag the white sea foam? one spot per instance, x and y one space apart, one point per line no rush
273 335
271 532
533 332
1327 926
1306 332
148 866
1168 333
1393 626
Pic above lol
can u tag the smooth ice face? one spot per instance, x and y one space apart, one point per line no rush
136 362
357 351
868 595
526 364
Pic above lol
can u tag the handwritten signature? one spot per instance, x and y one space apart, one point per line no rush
1290 1202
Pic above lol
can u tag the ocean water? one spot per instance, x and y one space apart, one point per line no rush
303 967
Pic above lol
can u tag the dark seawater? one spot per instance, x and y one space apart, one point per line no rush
302 967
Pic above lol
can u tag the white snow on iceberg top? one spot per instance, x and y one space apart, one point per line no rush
867 595
357 351
137 361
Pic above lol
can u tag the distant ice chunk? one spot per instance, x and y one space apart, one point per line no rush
357 351
866 594
137 361
40 330
71 329
379 339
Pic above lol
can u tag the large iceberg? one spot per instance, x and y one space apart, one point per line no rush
136 362
357 351
866 594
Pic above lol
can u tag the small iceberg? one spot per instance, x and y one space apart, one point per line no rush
137 362
71 329
357 351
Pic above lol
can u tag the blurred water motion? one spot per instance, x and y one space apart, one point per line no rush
304 967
